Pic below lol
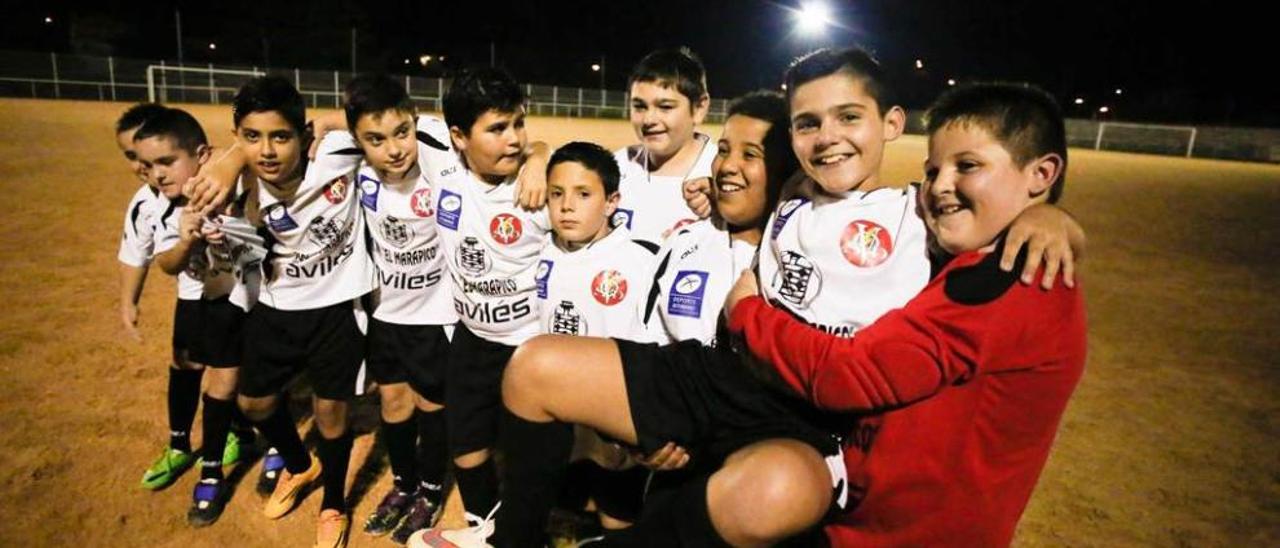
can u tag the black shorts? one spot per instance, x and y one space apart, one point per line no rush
186 325
417 354
473 391
705 400
326 342
220 340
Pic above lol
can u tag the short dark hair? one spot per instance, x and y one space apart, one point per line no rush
1025 119
477 91
270 94
137 115
856 62
676 67
176 124
780 160
593 157
374 94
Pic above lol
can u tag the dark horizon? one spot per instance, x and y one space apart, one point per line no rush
1188 65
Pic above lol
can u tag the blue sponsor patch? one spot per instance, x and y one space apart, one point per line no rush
449 209
785 210
369 188
685 298
622 217
542 276
279 220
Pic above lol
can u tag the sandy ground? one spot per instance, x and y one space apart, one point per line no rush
1173 437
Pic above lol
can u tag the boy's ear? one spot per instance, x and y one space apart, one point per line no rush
1045 171
203 152
611 204
459 139
895 122
700 109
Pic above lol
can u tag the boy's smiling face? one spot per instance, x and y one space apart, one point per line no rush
664 119
973 188
838 134
124 140
389 141
741 177
169 165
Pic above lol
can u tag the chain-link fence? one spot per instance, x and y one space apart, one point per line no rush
60 76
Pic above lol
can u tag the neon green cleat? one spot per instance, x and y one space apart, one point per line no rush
171 464
235 449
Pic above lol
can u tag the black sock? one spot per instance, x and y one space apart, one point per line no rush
184 399
479 488
433 453
282 434
537 456
335 455
619 494
241 425
400 438
217 420
680 519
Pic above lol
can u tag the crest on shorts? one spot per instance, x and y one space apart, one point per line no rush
336 190
609 287
505 228
420 203
798 280
566 320
472 257
865 244
394 231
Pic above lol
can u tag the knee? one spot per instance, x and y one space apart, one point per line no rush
531 367
768 492
472 459
256 409
331 417
397 402
222 383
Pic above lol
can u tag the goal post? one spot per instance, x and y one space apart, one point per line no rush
203 80
1149 138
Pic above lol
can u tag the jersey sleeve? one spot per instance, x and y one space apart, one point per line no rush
337 156
136 241
702 166
436 156
165 228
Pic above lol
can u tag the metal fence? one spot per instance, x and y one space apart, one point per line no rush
60 76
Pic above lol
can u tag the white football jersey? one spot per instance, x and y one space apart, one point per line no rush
317 254
136 242
653 206
599 290
232 268
839 263
167 213
491 245
697 266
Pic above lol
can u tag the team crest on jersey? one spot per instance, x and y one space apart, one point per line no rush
865 244
394 231
542 276
784 214
622 217
336 190
472 257
326 233
420 203
450 206
566 320
687 293
279 220
609 287
369 188
505 228
798 280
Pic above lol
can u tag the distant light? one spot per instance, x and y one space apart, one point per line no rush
951 82
441 58
784 87
595 67
812 17
1104 110
919 64
406 61
1119 91
424 59
1079 100
48 20
213 45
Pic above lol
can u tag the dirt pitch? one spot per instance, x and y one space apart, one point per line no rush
1173 437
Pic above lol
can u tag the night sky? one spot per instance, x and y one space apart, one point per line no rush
1198 62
